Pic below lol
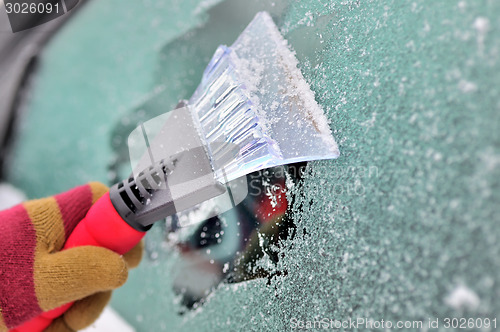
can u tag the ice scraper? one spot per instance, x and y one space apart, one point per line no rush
252 110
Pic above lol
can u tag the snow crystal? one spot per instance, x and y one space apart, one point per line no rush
482 25
466 86
462 297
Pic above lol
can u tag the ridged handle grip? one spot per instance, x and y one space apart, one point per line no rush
102 227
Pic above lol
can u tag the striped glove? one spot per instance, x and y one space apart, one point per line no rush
35 276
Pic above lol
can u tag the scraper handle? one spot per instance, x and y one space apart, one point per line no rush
102 227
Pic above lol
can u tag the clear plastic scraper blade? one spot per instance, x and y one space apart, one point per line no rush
252 94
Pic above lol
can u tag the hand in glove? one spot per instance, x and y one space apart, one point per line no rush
35 276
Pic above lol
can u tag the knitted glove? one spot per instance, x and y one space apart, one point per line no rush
35 276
